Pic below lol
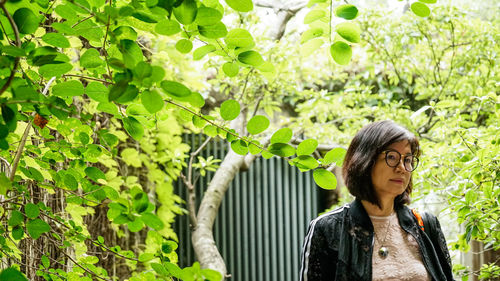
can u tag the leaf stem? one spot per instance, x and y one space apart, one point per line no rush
82 20
87 78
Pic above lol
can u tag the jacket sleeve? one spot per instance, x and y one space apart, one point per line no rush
441 247
318 264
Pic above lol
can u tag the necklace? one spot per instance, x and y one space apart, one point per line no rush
383 251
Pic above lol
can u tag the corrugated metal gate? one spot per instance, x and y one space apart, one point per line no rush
262 220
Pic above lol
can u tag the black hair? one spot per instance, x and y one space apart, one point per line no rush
362 153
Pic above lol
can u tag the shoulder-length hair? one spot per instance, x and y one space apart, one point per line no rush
362 153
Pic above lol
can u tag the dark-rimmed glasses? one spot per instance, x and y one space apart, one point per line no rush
393 157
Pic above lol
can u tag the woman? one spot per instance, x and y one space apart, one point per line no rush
377 237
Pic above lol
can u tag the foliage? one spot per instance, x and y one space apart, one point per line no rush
440 79
104 84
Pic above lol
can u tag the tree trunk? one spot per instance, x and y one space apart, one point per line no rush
204 246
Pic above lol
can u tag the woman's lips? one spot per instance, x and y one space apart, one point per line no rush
397 181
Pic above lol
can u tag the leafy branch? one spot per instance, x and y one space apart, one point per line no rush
18 44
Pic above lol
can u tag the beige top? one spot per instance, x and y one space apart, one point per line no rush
404 261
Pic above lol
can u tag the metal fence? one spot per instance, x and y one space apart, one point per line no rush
262 220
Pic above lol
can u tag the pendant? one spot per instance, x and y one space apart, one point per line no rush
383 252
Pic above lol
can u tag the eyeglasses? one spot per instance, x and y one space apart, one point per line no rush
392 158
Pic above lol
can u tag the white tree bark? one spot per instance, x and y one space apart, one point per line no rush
202 236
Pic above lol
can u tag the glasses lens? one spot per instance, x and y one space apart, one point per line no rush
409 163
392 158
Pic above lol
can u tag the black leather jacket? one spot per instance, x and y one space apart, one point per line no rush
339 245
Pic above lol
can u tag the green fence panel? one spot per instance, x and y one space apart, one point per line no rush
262 220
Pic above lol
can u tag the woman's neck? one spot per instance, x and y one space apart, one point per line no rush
374 210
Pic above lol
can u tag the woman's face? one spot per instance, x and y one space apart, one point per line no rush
391 181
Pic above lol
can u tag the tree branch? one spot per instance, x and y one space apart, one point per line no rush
18 44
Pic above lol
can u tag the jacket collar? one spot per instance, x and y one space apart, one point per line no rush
360 216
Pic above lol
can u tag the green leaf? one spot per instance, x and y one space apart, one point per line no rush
13 51
208 16
4 132
307 147
240 5
94 173
32 211
131 52
169 246
281 149
152 221
240 147
50 70
428 1
91 59
346 11
97 91
17 233
84 138
253 147
231 69
282 135
420 9
158 268
266 154
167 27
349 31
310 46
135 225
314 15
12 274
202 51
196 100
16 218
251 58
133 127
229 110
175 90
214 31
145 17
210 130
310 34
26 21
341 52
45 261
240 38
212 275
144 257
142 70
198 122
70 182
336 156
184 46
128 95
68 89
35 174
5 184
125 32
325 179
257 124
56 40
63 27
305 162
186 12
37 227
152 101
117 90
